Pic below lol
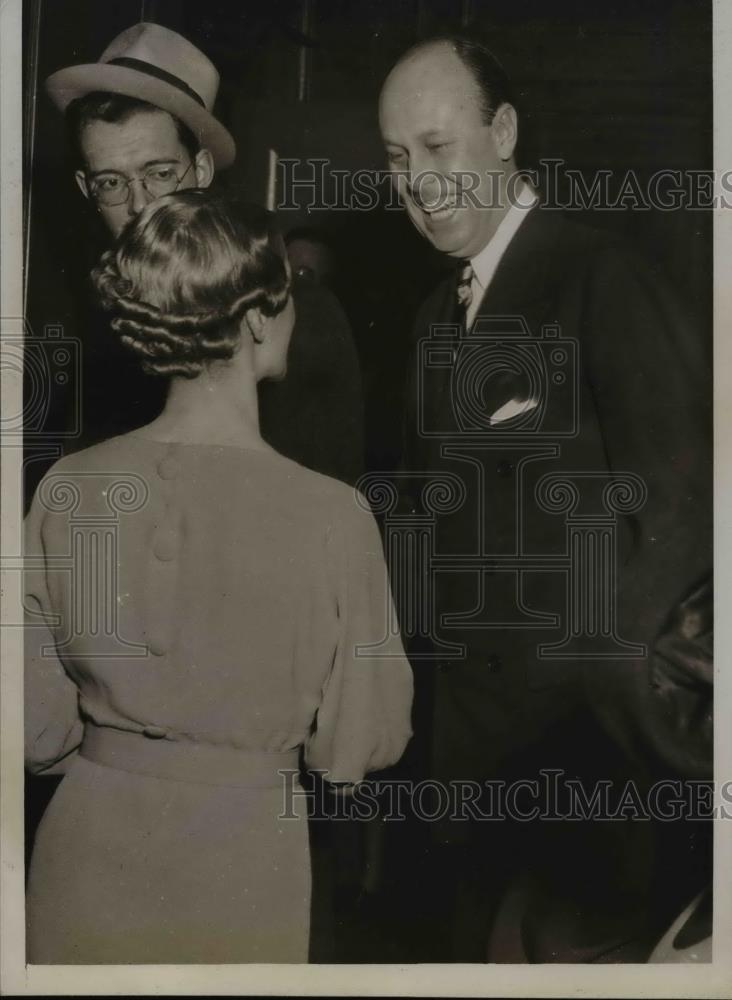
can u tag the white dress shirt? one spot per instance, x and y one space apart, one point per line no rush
484 264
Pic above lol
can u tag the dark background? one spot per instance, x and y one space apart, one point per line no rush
625 84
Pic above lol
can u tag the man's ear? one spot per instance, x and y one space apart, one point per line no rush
255 321
505 130
81 181
204 168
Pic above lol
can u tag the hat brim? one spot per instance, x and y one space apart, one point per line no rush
67 84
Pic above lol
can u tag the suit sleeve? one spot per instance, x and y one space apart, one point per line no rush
652 390
364 720
53 726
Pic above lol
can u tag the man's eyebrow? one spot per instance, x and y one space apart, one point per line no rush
431 133
161 162
145 166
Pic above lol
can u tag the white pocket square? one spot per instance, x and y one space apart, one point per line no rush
513 408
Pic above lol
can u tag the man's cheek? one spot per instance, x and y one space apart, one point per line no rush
401 186
112 220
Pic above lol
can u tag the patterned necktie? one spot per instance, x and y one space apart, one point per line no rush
464 291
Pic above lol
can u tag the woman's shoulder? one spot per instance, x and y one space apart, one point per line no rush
112 474
103 456
286 487
308 485
326 499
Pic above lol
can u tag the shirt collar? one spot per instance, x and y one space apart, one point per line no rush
484 264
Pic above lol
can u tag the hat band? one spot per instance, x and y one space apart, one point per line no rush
151 70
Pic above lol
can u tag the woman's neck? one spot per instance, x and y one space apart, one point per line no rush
217 407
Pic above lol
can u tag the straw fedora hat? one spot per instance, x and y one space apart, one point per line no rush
157 65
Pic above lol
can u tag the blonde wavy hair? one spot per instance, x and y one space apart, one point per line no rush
184 273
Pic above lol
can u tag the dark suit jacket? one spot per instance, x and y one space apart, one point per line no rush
626 393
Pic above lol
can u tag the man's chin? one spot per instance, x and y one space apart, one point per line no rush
446 244
444 237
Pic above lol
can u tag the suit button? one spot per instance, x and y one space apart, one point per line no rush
505 468
494 664
155 732
157 648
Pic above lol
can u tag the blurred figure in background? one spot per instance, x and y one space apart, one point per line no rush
311 255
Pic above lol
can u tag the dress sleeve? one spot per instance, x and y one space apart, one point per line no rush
53 727
364 720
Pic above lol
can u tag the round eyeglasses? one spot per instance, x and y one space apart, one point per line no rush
111 188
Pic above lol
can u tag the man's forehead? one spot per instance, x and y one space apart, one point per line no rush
432 84
143 137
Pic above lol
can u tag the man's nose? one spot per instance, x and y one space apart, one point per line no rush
138 197
427 186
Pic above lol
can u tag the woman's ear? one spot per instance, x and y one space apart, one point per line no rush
255 322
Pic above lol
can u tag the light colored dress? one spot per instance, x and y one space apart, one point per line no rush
210 607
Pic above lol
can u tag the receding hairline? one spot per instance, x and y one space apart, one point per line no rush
419 51
422 50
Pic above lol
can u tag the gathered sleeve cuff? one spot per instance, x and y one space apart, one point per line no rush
364 720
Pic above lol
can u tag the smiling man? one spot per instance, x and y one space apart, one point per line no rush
550 357
452 152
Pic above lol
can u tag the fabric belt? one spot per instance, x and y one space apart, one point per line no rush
177 760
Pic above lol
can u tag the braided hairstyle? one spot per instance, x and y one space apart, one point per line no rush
183 274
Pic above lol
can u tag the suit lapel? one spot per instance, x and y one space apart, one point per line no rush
521 286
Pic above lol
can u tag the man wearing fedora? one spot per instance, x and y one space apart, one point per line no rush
141 125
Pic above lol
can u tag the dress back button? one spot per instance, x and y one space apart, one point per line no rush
165 547
168 467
